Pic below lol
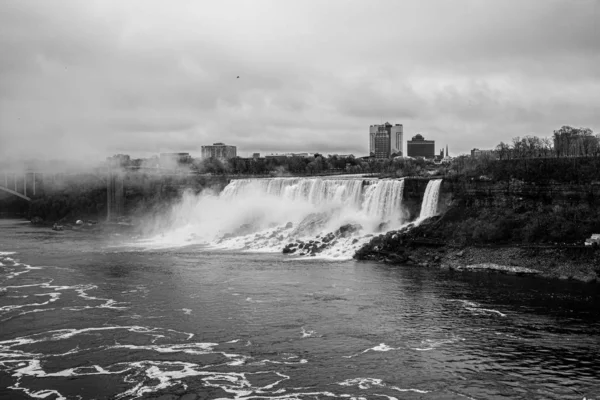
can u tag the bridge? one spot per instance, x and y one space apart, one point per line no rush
20 184
29 184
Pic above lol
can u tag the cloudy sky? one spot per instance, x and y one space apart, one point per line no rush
92 78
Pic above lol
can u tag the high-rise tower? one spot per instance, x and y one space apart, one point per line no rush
385 140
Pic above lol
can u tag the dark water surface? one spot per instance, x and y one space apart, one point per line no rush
84 318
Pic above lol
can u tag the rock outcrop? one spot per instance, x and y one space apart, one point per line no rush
321 243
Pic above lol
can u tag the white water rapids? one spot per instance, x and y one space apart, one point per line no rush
266 214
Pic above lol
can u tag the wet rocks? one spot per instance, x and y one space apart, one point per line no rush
347 230
383 226
328 238
37 221
189 396
322 242
490 267
290 248
168 397
591 278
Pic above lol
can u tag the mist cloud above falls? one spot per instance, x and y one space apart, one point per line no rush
94 78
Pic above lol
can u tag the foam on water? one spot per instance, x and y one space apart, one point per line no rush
431 344
368 383
476 308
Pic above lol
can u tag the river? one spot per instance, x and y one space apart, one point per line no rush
87 316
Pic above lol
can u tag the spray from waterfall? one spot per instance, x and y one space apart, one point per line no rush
326 217
431 197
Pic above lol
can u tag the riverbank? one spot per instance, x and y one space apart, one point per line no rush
409 247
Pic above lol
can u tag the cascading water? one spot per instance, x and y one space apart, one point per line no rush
384 200
333 217
430 199
315 191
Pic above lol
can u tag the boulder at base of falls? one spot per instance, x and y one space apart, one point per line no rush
347 230
290 248
304 249
37 221
328 238
321 243
289 225
383 226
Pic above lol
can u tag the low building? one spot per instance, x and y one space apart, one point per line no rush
288 155
419 147
220 151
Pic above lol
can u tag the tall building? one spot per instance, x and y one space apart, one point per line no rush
385 140
220 151
419 147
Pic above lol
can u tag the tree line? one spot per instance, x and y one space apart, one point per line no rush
316 164
565 142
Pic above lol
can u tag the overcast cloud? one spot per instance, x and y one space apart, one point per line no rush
93 78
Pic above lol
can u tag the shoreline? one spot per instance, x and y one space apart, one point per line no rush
564 263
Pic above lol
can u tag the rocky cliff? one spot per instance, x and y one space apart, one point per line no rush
541 227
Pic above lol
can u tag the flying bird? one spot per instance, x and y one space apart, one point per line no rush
238 77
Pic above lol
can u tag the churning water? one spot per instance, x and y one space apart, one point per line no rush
88 317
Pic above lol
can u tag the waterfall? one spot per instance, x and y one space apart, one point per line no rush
384 200
430 199
378 199
338 215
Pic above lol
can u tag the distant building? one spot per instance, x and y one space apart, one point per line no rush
476 153
173 160
288 155
440 156
119 160
344 155
385 140
419 147
220 151
255 155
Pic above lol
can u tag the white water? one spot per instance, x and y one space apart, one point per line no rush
430 199
266 214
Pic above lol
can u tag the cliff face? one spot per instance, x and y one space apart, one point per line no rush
503 195
516 194
532 225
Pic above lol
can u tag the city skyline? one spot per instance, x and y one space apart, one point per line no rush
87 79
